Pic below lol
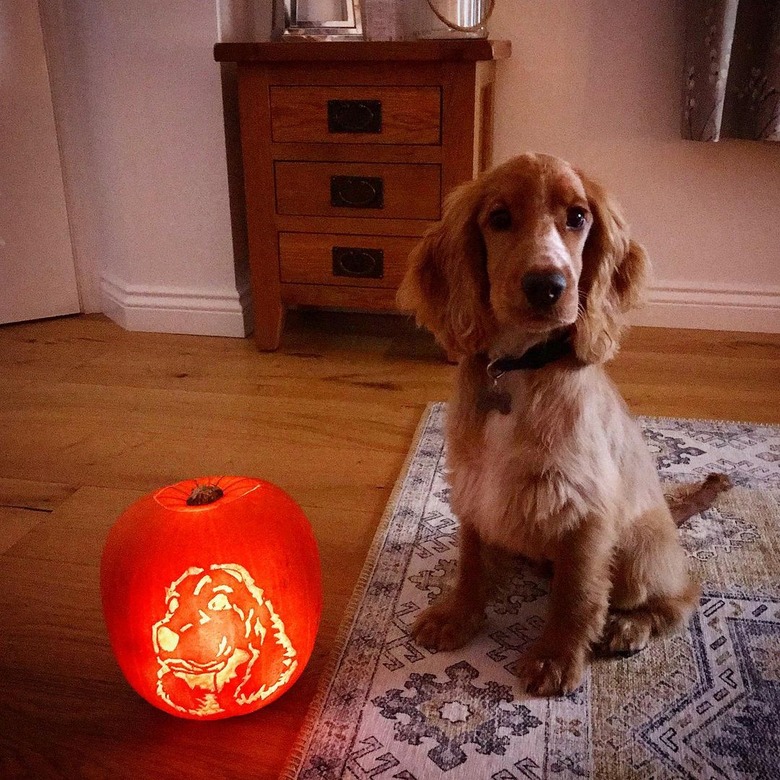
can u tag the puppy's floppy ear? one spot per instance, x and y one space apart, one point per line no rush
614 269
446 284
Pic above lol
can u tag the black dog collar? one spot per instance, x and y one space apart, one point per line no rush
538 356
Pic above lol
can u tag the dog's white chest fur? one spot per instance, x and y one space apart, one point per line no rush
496 471
500 491
527 484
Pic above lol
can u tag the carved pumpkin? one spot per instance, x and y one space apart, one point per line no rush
212 595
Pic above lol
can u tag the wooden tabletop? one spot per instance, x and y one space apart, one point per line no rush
452 49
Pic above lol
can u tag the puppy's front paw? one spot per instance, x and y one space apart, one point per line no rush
545 672
625 634
447 625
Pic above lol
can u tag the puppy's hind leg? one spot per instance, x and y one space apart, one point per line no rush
459 613
629 631
652 593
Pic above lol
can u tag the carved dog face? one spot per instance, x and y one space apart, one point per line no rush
221 637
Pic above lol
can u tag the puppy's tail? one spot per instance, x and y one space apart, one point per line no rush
703 496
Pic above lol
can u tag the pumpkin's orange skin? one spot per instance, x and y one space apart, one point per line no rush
213 610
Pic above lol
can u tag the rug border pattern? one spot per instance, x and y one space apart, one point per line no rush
329 672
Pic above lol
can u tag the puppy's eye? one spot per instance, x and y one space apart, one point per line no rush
500 219
575 218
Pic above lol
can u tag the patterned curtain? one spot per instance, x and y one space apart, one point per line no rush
732 70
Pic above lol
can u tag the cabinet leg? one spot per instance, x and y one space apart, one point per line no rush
269 322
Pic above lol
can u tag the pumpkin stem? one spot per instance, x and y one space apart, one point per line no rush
204 494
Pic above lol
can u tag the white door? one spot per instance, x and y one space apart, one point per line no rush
37 272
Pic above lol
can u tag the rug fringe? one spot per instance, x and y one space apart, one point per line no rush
298 753
664 419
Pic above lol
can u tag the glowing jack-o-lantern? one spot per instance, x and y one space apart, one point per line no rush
212 595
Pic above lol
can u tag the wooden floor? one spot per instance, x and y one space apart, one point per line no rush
92 417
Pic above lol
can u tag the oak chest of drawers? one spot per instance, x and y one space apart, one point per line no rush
348 150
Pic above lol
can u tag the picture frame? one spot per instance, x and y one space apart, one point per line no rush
323 20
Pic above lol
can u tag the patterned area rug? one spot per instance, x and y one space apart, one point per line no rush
701 704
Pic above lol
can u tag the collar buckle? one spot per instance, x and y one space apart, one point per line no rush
535 358
494 371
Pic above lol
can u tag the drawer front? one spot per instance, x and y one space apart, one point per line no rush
383 191
359 261
370 115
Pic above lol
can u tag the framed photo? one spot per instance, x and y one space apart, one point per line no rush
325 20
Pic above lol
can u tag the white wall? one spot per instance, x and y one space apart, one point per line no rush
63 39
143 119
594 81
598 83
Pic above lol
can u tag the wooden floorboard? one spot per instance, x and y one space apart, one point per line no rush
91 417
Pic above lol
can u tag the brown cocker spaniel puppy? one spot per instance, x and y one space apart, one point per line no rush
526 281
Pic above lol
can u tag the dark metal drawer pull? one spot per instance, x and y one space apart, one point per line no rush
358 263
354 116
357 192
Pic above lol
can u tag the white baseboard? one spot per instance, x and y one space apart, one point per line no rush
175 310
228 313
710 307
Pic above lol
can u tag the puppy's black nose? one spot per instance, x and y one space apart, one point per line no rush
543 288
